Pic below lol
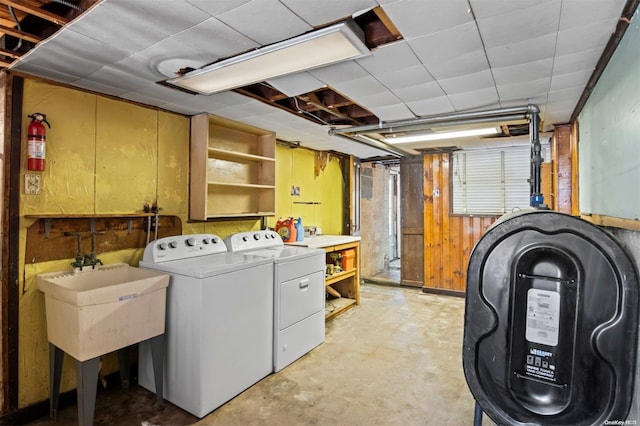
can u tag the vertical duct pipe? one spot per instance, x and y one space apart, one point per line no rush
537 199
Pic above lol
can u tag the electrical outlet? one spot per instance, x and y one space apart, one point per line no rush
31 184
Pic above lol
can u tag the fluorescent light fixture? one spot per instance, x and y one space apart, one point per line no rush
318 48
425 137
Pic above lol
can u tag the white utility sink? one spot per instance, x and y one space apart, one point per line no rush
97 311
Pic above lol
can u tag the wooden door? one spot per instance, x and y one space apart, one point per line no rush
411 223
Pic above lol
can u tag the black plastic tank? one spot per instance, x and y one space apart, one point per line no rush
551 322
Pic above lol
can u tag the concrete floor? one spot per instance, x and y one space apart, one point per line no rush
393 360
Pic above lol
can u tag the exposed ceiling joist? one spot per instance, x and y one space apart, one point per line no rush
10 53
40 13
20 34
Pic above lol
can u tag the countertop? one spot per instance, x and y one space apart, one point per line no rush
321 241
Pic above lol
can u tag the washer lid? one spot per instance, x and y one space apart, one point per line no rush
208 266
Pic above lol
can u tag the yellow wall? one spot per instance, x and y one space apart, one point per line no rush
297 167
111 157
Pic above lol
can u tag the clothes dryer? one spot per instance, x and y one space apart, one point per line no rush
299 294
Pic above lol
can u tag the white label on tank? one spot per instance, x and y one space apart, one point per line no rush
543 316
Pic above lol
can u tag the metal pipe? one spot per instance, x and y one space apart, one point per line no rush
537 199
376 144
455 118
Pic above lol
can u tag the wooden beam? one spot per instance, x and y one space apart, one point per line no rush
4 64
51 17
10 53
20 34
614 222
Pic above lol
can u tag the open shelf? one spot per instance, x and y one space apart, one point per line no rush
336 306
236 156
232 169
328 280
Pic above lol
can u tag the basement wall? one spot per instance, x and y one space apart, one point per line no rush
374 218
110 157
609 152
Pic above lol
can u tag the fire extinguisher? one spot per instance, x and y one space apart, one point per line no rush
36 138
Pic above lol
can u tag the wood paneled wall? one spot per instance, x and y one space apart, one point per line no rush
448 239
563 153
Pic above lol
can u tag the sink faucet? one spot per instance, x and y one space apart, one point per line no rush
91 259
79 262
88 259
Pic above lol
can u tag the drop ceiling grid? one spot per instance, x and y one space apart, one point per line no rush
543 53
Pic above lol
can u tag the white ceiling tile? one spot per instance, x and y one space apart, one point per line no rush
488 8
568 80
392 112
431 106
523 72
418 92
468 83
265 21
107 23
529 50
523 91
76 44
31 67
416 18
320 12
115 77
98 87
519 25
360 87
586 37
447 44
585 59
339 73
296 84
375 99
569 95
219 6
538 100
139 68
169 49
576 13
214 40
59 61
401 78
396 56
478 99
169 16
470 63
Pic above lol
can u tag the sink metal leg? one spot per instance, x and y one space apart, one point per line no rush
87 378
56 356
157 355
124 366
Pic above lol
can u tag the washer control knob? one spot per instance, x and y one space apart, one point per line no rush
215 240
162 246
256 236
173 244
245 238
190 242
273 235
206 240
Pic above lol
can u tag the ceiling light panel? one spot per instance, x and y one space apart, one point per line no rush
426 137
311 50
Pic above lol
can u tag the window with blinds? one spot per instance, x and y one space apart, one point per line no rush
490 181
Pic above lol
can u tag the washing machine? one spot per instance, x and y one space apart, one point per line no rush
551 322
219 333
299 294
